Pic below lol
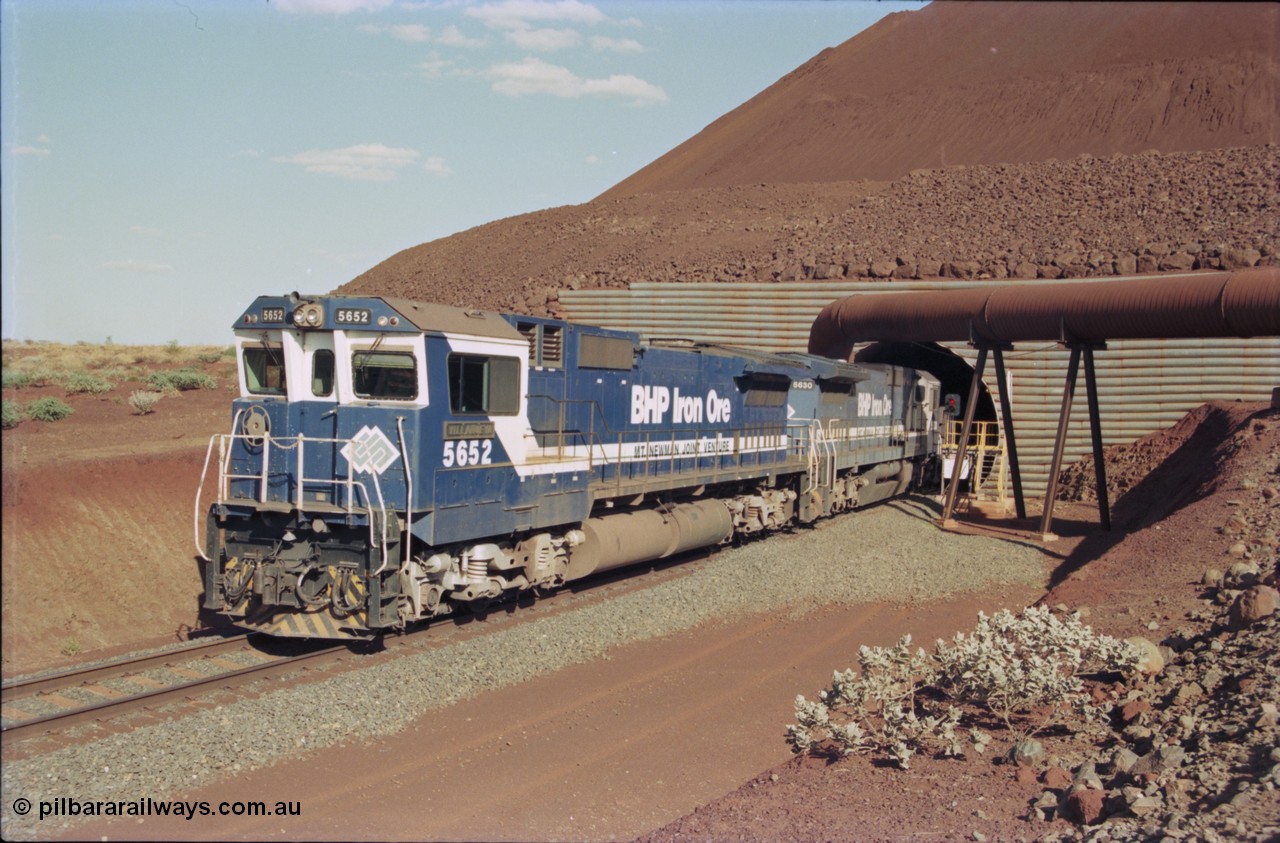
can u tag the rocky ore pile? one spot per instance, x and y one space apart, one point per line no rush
1196 754
1154 212
1088 216
1195 749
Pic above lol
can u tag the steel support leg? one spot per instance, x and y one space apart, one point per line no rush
1095 431
1064 417
965 431
1018 500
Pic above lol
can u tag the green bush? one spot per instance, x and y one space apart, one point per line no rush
12 414
48 409
179 379
118 373
15 379
23 378
81 381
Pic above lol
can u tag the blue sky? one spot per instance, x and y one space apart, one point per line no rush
166 161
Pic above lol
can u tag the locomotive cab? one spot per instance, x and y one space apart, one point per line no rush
347 409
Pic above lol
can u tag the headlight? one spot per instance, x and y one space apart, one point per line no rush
309 316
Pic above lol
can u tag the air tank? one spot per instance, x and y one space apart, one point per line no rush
628 538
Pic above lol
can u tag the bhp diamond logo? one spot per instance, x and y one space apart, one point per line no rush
370 451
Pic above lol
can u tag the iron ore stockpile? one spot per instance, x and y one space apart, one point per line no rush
1089 216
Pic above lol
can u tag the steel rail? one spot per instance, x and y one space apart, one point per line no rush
73 677
146 700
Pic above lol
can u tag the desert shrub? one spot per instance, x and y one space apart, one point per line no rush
15 378
81 381
12 414
20 378
901 702
118 373
48 409
1012 665
880 708
180 379
143 402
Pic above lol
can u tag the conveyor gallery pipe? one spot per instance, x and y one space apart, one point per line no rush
1244 303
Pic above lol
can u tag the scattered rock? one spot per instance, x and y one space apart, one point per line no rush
1028 752
1253 605
1085 805
1056 778
1242 574
1150 662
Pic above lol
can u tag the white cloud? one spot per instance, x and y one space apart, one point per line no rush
329 7
436 166
413 32
362 162
138 266
37 151
544 40
416 33
145 230
435 67
535 76
617 45
591 159
516 14
451 36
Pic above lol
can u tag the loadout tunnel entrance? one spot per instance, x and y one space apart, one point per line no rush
1080 317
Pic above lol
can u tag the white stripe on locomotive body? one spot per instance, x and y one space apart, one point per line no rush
514 432
577 458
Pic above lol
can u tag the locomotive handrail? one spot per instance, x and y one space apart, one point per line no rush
350 483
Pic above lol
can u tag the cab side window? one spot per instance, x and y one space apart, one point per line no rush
482 384
322 373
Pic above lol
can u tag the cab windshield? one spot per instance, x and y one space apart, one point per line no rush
385 375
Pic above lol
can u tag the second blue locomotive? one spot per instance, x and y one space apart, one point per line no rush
391 461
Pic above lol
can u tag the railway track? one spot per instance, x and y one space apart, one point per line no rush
53 703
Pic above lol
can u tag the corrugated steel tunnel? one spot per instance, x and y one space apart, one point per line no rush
1244 303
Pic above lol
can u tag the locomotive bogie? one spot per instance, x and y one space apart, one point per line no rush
390 462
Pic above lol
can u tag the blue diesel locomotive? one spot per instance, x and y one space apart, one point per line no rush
391 461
